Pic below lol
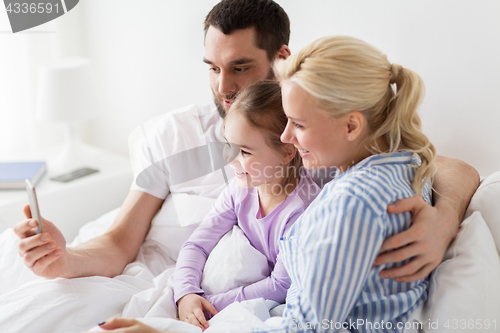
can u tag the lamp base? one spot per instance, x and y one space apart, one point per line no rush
74 154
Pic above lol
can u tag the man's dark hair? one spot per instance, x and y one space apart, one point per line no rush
271 23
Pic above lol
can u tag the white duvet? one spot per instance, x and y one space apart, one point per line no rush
144 291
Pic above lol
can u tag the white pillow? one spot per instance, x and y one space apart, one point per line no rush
233 263
95 228
487 201
166 229
464 292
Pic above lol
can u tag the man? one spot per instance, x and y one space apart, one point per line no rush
242 40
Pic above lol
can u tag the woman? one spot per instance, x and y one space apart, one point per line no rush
344 111
349 108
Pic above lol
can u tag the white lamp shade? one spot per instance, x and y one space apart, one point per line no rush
66 91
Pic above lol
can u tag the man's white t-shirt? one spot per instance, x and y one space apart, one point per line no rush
173 133
172 137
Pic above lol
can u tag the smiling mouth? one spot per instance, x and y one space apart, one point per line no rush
240 174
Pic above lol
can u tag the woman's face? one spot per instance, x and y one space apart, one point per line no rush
320 139
256 163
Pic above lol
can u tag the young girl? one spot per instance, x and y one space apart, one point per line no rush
266 197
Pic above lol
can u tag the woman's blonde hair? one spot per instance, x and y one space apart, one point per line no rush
345 74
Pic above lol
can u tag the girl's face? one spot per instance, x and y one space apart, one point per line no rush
322 141
256 162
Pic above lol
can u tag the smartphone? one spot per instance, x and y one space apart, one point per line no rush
74 175
35 210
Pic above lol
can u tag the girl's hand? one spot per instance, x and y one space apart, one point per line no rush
191 309
125 325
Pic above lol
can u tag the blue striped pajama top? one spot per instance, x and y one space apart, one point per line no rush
331 248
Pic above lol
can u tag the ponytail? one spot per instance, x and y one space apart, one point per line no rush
402 127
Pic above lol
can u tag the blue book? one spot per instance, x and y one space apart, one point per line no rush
13 174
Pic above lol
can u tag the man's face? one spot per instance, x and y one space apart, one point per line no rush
234 62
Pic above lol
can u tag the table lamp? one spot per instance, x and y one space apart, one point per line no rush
67 93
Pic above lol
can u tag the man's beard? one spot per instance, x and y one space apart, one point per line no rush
219 97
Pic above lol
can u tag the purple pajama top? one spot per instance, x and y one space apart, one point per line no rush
240 206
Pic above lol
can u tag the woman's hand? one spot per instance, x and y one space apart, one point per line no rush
191 309
426 241
45 254
125 325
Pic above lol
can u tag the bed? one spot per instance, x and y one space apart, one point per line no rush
464 293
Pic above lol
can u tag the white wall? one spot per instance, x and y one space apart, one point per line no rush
454 45
148 56
20 56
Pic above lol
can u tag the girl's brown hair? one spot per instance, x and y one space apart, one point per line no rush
260 104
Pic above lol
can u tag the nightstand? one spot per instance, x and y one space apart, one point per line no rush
70 205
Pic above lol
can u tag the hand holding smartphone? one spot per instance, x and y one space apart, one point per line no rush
35 211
